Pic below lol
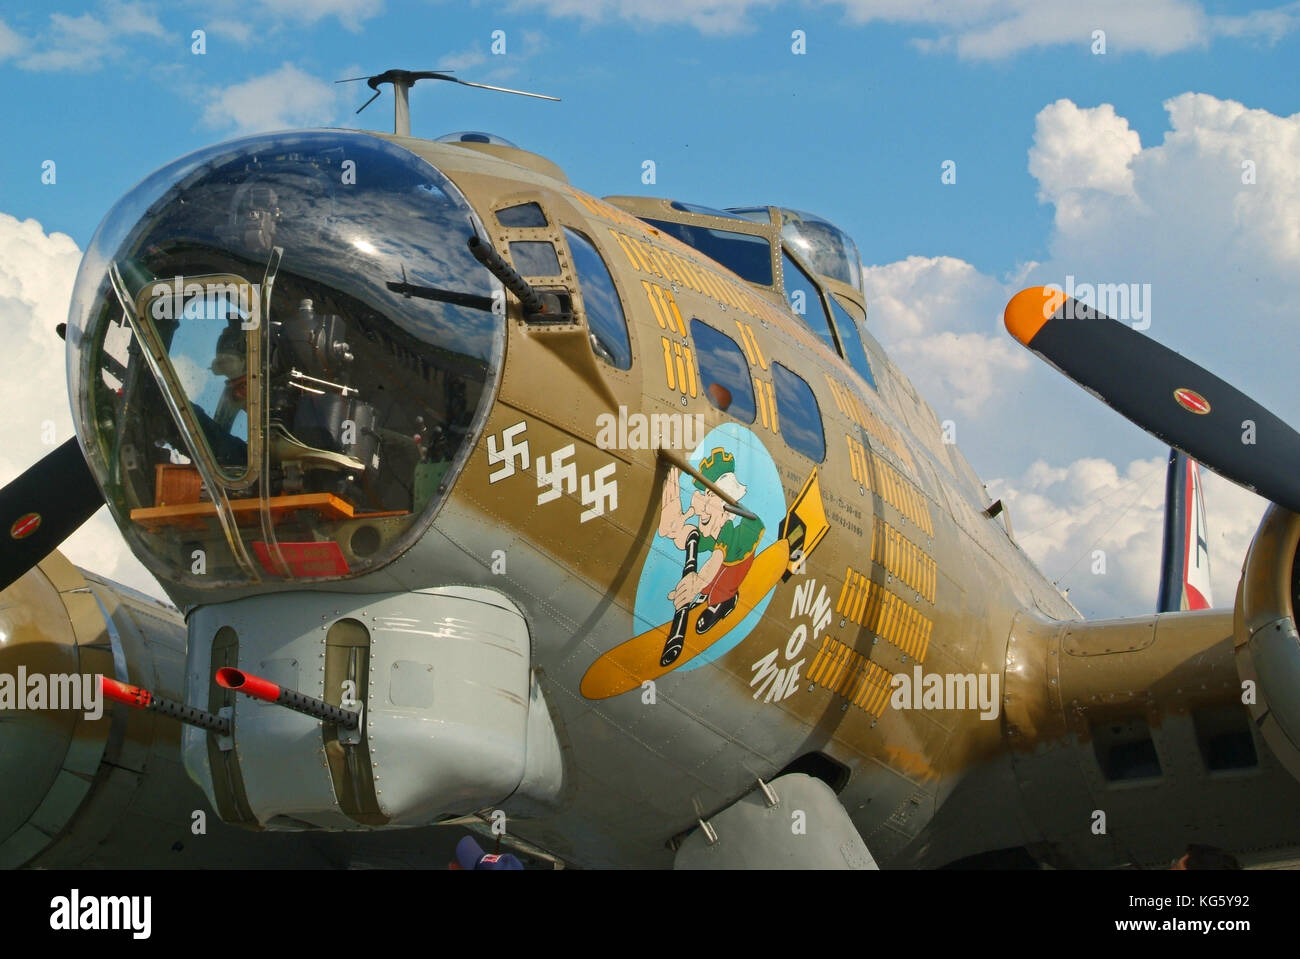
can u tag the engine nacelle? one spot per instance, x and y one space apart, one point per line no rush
1266 642
80 790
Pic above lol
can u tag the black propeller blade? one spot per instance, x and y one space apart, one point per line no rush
1166 394
43 507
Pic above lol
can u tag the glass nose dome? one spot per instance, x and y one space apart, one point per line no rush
280 351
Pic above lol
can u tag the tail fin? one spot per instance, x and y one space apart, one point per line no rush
1185 565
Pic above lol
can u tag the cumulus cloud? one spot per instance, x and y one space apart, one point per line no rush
287 97
1206 223
1224 184
1082 150
36 276
1209 217
1096 528
941 321
86 41
965 370
1082 159
926 294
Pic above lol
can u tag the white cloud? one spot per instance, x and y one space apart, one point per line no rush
965 369
350 13
1222 257
1077 150
983 30
927 294
287 97
1270 25
977 29
469 57
940 319
1061 514
1082 160
11 43
36 275
240 31
85 41
1184 216
707 16
1188 196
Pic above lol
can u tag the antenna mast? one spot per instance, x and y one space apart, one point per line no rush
403 80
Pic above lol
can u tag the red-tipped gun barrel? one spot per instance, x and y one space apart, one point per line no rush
137 697
267 691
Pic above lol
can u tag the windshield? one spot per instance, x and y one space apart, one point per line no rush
282 349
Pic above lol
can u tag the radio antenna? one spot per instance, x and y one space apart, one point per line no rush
403 80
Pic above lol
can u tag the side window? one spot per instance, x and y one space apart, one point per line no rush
522 214
724 372
852 342
535 258
600 300
801 417
805 302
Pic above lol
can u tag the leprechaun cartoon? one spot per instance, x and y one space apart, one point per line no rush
729 540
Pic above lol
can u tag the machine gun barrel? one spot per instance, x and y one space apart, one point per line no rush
137 697
267 691
532 300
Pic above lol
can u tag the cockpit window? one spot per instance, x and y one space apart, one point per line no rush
744 254
283 351
805 300
755 214
852 342
703 210
826 248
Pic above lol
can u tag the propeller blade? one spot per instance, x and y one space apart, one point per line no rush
43 507
1169 396
487 86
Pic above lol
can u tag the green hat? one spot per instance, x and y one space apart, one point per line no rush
718 464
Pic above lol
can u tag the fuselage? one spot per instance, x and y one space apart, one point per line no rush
732 549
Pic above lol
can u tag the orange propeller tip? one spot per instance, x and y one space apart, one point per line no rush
1029 309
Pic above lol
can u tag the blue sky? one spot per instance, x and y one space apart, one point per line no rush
855 129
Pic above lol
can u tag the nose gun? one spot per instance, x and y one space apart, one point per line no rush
268 692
